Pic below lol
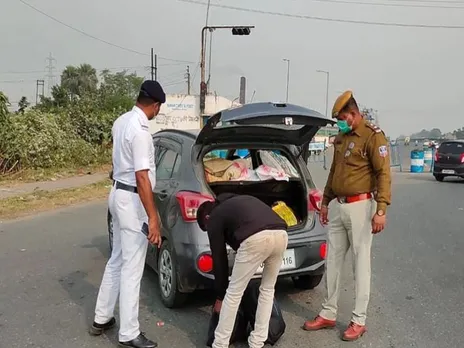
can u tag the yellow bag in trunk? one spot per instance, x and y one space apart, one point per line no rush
284 211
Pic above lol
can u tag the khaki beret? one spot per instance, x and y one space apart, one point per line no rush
341 102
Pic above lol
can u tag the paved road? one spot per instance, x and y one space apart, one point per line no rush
51 267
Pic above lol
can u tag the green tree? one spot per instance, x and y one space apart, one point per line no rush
119 90
4 104
369 114
23 105
459 133
77 81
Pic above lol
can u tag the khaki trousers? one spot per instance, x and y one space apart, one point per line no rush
266 247
349 225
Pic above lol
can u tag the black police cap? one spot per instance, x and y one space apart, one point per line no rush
153 90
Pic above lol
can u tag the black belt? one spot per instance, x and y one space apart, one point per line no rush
121 186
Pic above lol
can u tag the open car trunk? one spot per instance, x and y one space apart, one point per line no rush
268 175
270 191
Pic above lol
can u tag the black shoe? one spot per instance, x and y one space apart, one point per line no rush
139 342
97 329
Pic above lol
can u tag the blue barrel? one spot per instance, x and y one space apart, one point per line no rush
428 157
417 161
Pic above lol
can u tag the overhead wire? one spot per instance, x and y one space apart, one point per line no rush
389 4
325 19
97 38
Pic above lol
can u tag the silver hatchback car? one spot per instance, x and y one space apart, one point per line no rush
184 262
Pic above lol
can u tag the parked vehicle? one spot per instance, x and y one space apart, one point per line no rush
184 261
449 160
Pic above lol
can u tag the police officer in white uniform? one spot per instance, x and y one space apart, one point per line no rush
131 205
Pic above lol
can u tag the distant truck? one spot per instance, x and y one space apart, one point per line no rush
407 140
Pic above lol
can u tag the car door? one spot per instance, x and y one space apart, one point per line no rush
167 180
167 160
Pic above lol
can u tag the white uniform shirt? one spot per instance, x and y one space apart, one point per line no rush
133 148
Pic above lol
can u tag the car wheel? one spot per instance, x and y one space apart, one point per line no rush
307 282
439 177
167 270
110 230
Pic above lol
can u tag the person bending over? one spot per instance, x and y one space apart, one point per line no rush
259 236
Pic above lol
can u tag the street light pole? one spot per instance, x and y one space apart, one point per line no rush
288 76
236 30
326 92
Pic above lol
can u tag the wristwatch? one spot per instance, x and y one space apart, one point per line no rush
380 213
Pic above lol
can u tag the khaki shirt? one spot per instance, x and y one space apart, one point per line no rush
361 164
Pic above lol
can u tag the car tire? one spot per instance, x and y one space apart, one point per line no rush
110 230
307 282
167 278
439 177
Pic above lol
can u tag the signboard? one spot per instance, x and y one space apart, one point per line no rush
179 112
317 146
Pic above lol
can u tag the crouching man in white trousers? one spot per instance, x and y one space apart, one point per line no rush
133 211
258 235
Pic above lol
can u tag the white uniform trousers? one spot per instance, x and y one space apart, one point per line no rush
349 226
124 269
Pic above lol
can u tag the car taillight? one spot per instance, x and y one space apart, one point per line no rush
189 203
435 159
323 251
462 157
314 200
205 263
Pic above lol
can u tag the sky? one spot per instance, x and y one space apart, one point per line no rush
409 68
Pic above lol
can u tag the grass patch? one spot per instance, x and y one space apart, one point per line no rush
34 175
40 200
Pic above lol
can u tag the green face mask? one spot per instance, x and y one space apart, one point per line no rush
343 126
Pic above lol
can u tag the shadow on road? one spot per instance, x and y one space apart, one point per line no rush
192 319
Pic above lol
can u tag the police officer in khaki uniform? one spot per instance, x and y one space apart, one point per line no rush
359 183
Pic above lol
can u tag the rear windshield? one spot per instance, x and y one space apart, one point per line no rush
453 148
254 165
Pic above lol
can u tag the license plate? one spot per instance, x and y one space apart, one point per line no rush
448 171
288 261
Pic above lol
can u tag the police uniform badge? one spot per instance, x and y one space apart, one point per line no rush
351 146
383 151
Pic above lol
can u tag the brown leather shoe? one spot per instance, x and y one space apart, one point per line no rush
353 332
318 323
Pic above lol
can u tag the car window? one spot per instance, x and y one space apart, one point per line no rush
159 152
454 148
167 165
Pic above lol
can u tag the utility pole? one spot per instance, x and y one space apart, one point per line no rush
50 75
288 76
327 91
187 76
38 95
236 30
154 66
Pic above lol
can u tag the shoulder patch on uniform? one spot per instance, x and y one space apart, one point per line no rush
375 128
383 151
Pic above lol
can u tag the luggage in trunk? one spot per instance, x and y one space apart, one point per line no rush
291 192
